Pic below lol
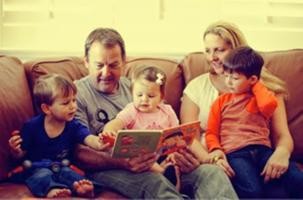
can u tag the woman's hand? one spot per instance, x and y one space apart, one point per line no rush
276 165
219 158
186 160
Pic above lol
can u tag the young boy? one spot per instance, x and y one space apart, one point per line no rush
238 128
49 138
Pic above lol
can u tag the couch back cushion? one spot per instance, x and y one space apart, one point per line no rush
72 68
287 65
174 84
15 106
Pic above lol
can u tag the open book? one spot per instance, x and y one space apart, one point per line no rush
130 143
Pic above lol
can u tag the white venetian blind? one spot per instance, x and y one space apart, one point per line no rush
166 27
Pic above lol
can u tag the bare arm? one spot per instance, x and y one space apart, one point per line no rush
113 125
189 111
278 163
90 159
94 142
279 127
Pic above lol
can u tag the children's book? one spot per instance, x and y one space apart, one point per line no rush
130 143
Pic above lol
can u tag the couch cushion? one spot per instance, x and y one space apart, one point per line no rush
288 65
72 68
174 83
15 105
193 65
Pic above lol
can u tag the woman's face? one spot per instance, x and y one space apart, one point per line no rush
216 49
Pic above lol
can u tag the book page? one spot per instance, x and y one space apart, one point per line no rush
130 143
178 137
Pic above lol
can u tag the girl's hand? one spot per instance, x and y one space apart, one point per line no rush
276 165
169 160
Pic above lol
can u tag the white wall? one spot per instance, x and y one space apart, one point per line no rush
35 28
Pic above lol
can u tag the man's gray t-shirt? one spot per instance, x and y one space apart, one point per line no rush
95 108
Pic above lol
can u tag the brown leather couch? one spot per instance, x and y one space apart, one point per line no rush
16 105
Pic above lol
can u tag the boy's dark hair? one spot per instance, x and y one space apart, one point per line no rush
244 60
48 87
107 37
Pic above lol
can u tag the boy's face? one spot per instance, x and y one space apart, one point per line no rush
238 83
105 66
63 108
146 95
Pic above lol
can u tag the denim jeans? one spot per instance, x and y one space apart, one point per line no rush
207 181
248 163
41 180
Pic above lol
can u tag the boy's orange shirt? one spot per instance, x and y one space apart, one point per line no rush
239 120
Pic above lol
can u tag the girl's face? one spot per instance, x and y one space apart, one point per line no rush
216 49
146 95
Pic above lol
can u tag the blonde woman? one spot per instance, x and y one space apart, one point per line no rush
219 38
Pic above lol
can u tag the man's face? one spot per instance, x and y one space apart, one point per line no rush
105 66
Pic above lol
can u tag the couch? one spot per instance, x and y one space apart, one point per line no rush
16 103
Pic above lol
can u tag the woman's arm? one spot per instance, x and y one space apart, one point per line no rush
189 111
278 163
279 127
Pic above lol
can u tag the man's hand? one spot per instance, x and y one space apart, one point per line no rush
186 160
141 163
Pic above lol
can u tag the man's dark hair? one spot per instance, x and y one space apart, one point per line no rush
244 60
107 37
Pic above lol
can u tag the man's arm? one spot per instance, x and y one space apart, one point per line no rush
90 159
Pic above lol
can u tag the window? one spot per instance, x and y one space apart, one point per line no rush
160 27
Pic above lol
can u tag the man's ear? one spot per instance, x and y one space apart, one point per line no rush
45 108
85 59
253 79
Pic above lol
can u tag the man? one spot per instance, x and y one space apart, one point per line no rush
101 95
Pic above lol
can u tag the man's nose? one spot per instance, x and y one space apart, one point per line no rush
105 71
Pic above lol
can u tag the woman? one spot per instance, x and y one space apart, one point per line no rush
219 39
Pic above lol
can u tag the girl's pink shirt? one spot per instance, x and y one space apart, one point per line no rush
164 118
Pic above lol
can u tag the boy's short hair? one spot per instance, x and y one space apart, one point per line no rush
47 87
244 60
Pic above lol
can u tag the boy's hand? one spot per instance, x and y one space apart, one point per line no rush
15 143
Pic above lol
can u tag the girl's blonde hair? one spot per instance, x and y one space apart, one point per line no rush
232 35
152 74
